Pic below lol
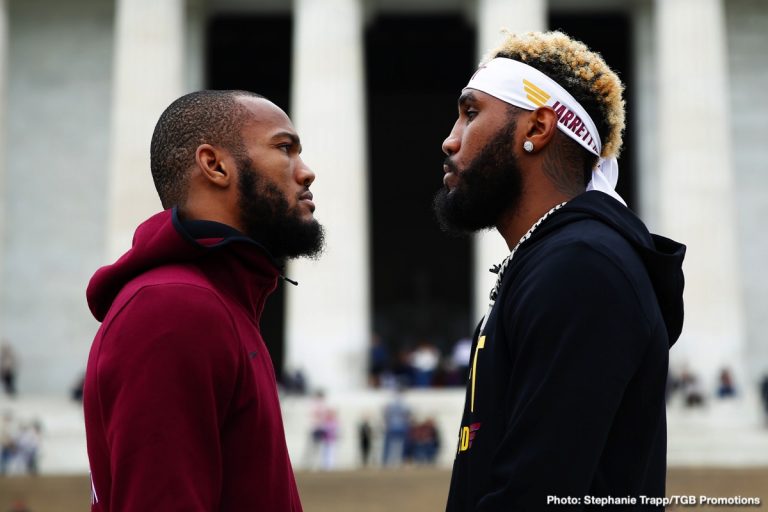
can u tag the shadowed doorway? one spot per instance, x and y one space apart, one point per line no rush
416 67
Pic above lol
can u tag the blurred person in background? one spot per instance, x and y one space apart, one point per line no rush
764 395
319 409
569 365
8 441
365 440
329 439
397 420
424 361
378 361
76 392
725 387
28 446
690 387
424 441
402 373
462 353
294 382
8 368
181 404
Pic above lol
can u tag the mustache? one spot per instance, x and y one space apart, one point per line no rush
450 165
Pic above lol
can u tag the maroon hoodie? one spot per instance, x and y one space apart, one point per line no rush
181 406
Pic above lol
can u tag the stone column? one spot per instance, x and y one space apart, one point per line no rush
147 77
696 191
493 16
328 314
3 121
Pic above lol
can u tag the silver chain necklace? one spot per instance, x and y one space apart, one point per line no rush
500 269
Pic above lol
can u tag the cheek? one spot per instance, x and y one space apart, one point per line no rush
476 135
470 146
279 171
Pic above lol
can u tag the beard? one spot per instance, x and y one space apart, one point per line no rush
267 217
488 187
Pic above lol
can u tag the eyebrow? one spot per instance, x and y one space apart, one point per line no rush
292 136
466 97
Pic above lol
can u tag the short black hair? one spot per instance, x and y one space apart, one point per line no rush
202 117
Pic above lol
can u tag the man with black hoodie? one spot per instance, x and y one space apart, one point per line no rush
565 400
181 406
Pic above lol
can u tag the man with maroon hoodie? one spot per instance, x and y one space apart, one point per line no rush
181 406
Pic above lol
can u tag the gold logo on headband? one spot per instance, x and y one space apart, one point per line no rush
537 96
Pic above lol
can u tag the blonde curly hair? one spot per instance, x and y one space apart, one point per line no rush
580 71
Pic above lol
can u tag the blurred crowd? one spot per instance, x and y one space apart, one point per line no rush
407 440
395 438
686 386
422 365
19 445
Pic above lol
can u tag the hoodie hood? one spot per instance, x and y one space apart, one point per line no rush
662 257
164 239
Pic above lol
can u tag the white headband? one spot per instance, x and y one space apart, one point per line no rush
521 85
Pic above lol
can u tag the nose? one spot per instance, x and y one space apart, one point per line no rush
305 175
452 143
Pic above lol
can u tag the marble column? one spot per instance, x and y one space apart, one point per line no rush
148 76
3 131
696 190
328 314
493 16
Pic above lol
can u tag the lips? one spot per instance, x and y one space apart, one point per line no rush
306 198
450 177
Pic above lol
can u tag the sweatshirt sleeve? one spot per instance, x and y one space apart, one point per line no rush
167 369
577 335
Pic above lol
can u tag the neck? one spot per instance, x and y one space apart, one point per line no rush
195 209
516 222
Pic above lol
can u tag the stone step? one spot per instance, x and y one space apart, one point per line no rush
723 433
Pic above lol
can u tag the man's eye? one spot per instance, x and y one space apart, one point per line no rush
471 113
285 147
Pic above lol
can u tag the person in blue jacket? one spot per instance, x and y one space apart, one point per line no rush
565 397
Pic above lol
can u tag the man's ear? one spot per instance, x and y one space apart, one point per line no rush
214 165
542 126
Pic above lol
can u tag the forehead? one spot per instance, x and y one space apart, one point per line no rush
474 96
264 118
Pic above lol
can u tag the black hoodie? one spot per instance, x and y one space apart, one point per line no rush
565 401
